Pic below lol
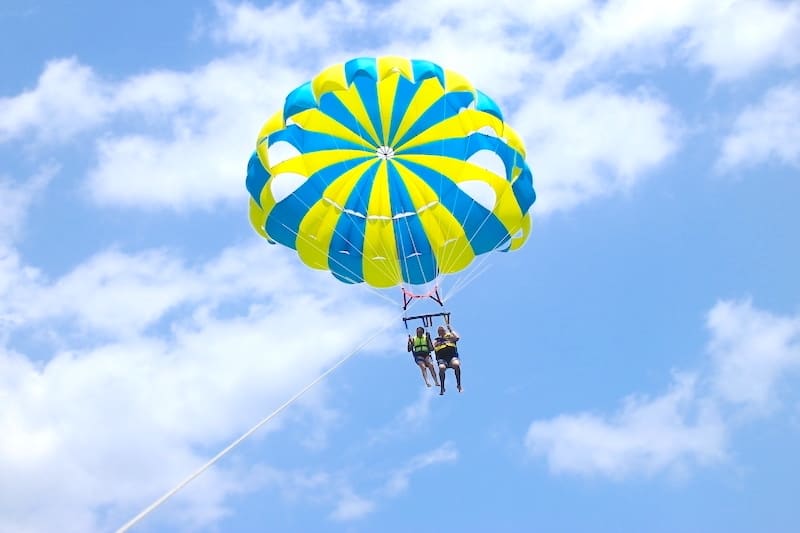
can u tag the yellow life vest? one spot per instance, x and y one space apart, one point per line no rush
421 344
448 342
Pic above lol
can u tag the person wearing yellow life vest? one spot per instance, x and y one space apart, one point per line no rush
446 349
421 347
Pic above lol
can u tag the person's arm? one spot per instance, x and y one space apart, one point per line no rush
430 342
454 334
410 343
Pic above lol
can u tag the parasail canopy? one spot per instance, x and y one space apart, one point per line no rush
390 171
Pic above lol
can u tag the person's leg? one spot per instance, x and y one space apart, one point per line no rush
442 369
421 366
456 364
432 369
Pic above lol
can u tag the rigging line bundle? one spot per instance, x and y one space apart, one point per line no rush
152 507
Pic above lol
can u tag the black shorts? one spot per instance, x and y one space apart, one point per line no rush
421 357
447 360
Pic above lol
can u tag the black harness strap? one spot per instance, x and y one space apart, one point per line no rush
427 320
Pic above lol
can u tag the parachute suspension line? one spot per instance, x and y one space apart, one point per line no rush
152 507
462 282
409 297
427 319
318 247
416 253
326 252
439 195
390 268
471 276
468 279
447 236
433 294
449 255
344 267
393 267
402 253
406 319
339 263
344 238
459 283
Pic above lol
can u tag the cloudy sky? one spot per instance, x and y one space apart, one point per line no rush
634 367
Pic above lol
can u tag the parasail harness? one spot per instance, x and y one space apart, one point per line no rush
427 319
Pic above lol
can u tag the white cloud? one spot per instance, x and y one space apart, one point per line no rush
191 144
467 37
751 351
647 435
336 489
409 419
549 11
733 39
614 138
117 426
594 144
214 116
113 424
767 130
400 479
154 93
17 199
291 30
204 117
122 294
737 39
352 506
15 276
319 488
68 99
146 373
623 35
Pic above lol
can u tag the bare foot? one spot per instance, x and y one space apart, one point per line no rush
460 389
427 384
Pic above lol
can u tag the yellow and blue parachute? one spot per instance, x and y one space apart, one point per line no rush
390 171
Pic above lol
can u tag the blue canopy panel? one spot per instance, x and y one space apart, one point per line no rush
417 260
482 228
257 177
346 250
284 220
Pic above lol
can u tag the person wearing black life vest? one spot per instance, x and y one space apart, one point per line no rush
445 347
421 347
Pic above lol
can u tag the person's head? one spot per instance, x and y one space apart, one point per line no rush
420 331
441 331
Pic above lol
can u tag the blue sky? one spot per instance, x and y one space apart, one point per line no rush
633 368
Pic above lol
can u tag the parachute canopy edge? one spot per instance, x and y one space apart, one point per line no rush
406 172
